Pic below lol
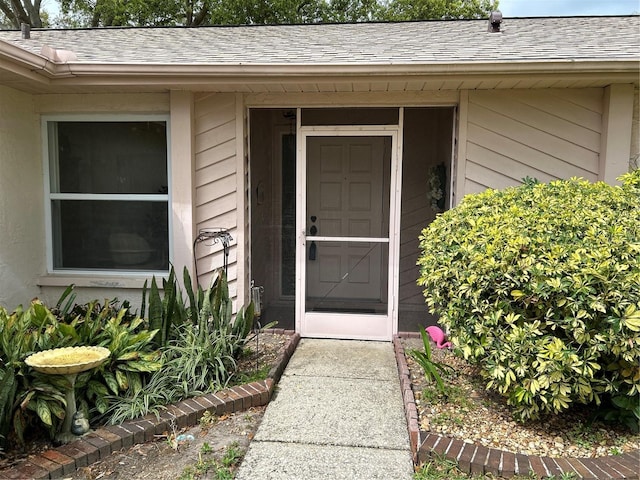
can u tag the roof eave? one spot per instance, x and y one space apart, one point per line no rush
31 66
37 68
349 69
195 76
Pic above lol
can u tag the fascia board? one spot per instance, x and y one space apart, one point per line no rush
29 65
194 76
346 70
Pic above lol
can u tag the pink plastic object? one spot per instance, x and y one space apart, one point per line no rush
438 336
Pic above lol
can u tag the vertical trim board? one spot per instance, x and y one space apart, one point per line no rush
182 172
460 161
634 153
242 192
616 136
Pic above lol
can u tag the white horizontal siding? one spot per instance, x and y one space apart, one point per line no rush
544 134
216 181
216 171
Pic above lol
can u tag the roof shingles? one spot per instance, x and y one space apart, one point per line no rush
521 39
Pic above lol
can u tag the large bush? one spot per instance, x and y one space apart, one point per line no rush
540 286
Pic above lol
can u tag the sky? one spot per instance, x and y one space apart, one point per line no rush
547 8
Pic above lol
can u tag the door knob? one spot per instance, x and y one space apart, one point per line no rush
313 230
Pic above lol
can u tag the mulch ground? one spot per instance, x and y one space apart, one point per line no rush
473 414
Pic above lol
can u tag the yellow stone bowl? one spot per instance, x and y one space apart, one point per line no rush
67 360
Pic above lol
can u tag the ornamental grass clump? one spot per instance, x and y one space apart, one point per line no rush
539 286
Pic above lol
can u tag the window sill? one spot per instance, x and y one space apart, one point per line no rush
99 281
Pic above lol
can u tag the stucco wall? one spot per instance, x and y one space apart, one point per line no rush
21 199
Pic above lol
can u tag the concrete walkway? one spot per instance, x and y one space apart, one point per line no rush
337 414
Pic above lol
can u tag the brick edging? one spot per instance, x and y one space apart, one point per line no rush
477 459
102 442
410 409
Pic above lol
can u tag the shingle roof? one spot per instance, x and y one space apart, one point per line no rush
521 39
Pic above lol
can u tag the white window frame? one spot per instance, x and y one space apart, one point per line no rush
49 196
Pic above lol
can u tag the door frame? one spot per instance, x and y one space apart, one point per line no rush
334 320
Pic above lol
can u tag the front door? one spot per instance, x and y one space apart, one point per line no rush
344 249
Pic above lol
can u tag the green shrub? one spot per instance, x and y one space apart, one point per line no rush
138 378
164 313
540 286
133 354
30 400
203 355
199 356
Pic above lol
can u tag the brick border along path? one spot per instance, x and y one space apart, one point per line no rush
477 459
100 443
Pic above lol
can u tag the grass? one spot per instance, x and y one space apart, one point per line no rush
442 468
252 376
451 394
446 418
208 419
587 435
218 469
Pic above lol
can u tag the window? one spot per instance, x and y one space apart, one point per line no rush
107 194
288 227
350 116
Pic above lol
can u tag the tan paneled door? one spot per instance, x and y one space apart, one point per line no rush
345 248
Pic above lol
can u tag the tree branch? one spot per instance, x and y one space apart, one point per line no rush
8 12
200 17
19 14
33 10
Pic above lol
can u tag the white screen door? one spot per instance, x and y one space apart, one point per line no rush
344 247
